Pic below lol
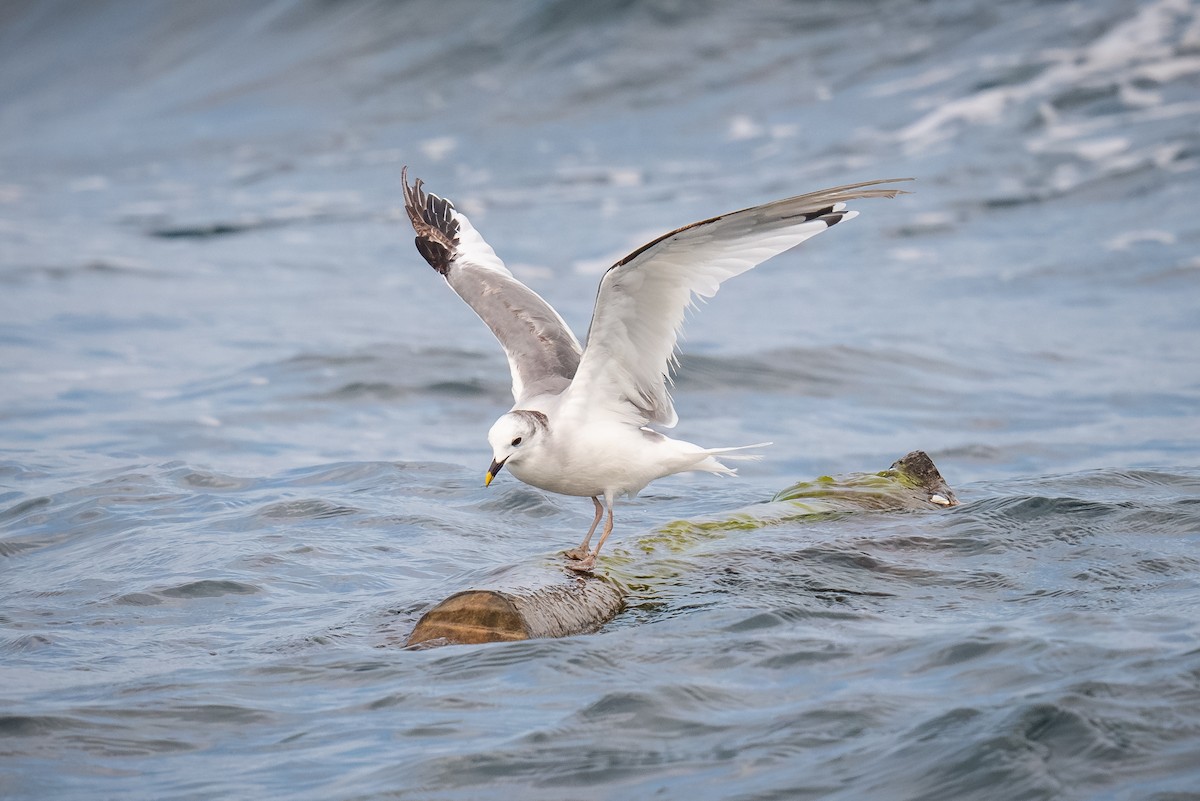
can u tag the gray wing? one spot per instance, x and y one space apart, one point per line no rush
542 352
642 299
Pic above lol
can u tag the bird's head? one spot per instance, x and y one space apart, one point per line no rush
513 437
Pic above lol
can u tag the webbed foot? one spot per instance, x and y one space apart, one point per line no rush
583 565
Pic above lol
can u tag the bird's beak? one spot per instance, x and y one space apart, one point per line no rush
492 471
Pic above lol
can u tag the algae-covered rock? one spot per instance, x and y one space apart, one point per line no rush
547 600
912 482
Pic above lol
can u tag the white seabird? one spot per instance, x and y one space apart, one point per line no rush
579 425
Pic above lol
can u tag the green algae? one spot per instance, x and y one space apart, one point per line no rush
912 483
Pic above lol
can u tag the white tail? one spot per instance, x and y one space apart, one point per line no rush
711 465
741 457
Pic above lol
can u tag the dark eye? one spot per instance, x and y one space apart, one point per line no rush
516 441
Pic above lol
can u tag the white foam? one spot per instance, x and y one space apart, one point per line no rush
742 127
1128 239
1144 45
439 147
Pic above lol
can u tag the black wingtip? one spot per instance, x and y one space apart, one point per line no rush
433 219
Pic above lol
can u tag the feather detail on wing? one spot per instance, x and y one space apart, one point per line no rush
642 299
542 352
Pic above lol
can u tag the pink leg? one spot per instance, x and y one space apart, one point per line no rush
586 564
580 553
608 527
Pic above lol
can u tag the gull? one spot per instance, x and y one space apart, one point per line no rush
580 424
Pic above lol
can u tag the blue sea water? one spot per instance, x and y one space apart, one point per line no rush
242 423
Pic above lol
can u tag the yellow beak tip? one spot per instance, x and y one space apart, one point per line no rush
487 480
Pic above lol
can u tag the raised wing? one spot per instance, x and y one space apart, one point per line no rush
542 352
642 298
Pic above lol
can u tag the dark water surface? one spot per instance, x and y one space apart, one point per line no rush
242 423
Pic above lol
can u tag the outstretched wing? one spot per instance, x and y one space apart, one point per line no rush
642 298
542 352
